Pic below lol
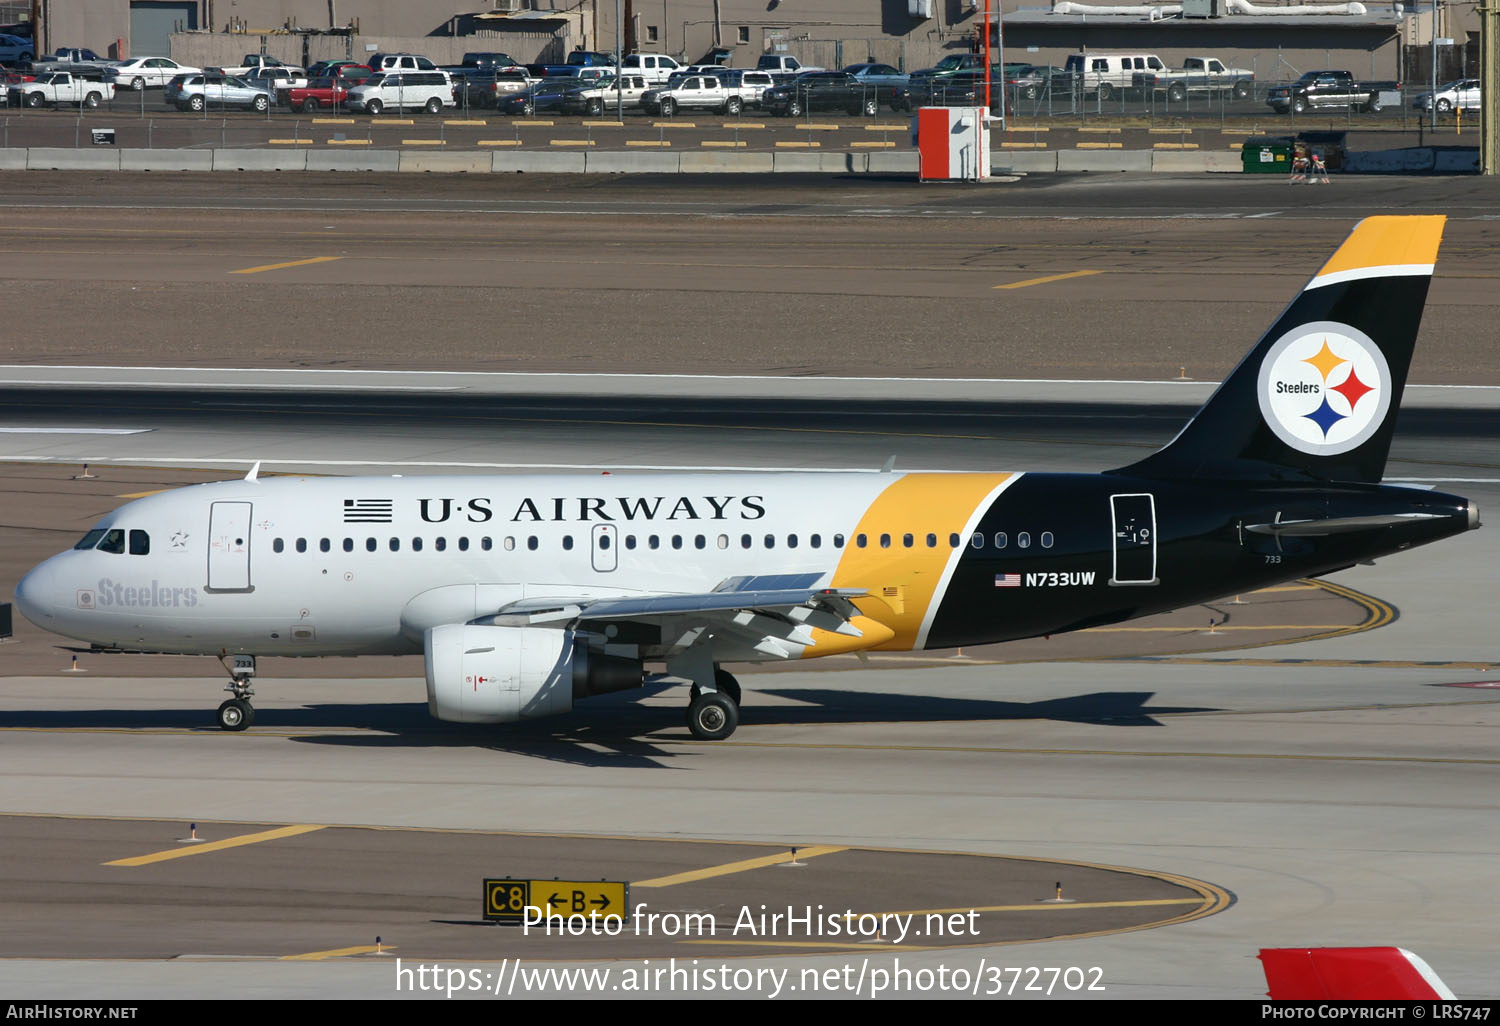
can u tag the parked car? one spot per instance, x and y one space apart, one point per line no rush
401 62
546 94
485 90
1110 74
406 90
655 68
204 90
140 72
833 90
60 88
616 92
1464 94
276 80
16 49
878 74
965 89
1328 90
340 69
320 94
749 85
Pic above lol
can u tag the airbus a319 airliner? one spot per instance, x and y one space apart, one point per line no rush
527 593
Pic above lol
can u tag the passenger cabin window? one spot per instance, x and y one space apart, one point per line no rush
568 542
370 544
278 545
114 541
1001 540
348 544
301 544
324 545
1023 540
1046 539
140 543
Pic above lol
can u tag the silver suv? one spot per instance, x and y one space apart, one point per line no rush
407 90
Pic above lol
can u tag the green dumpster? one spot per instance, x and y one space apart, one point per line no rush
1267 154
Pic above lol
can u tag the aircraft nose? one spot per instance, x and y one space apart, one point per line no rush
36 595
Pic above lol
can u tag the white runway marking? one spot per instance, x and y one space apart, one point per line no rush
73 431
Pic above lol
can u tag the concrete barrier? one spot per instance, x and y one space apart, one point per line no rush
794 161
718 162
537 161
902 162
1457 160
260 160
1196 160
1104 160
13 159
166 160
614 162
339 159
450 163
1031 162
1405 161
50 158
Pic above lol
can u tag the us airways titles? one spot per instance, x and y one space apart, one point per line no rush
582 508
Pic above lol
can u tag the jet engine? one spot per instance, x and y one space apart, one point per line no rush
481 674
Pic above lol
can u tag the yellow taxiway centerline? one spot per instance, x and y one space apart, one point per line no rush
738 867
318 956
289 263
1050 277
208 846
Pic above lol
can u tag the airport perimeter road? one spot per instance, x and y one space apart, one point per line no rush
1068 277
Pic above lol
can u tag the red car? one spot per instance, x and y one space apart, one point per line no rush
327 93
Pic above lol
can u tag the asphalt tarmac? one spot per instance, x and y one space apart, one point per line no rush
1335 791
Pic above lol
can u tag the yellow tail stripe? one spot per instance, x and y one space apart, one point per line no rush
902 581
1388 242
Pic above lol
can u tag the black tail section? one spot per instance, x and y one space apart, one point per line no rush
1317 396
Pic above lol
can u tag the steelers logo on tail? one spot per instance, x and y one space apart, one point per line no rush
1324 388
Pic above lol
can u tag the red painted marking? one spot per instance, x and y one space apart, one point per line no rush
1361 974
932 141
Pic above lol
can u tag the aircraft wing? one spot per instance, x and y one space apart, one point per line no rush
780 622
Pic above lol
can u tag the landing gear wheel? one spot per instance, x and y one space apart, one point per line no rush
712 717
727 685
236 714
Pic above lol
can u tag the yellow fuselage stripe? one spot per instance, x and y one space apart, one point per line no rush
902 581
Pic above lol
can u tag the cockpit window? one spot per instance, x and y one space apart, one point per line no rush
91 539
114 541
140 543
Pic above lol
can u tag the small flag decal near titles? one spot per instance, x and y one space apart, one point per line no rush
1007 580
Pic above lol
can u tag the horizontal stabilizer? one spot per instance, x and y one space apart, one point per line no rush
1318 528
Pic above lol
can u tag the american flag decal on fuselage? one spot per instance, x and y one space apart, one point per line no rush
369 511
1007 580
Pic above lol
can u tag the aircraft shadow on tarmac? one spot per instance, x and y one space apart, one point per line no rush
613 729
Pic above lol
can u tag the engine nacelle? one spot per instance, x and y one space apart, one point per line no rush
504 674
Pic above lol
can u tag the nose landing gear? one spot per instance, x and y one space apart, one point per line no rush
237 713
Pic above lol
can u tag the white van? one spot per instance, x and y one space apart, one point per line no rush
655 68
1110 74
406 90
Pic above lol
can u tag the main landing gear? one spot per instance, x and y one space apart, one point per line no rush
713 715
237 713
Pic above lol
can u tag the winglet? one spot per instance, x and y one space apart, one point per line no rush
254 474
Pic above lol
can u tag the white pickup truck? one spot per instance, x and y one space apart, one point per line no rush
256 61
695 92
1197 75
56 88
